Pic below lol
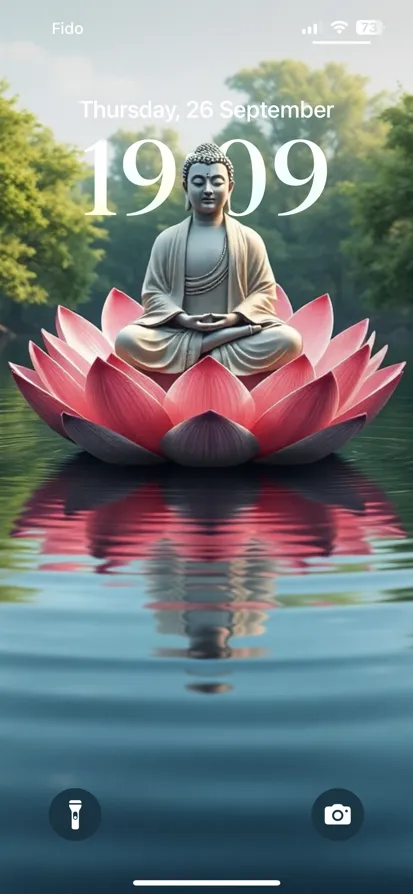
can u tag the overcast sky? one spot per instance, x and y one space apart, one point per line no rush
173 51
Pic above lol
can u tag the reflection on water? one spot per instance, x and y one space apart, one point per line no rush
127 597
210 547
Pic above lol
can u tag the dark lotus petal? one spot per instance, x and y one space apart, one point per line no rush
209 440
319 445
107 445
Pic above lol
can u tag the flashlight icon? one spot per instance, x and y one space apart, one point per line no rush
75 808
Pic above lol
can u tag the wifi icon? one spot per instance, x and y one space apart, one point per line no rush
339 27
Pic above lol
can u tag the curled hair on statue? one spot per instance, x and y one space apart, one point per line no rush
207 154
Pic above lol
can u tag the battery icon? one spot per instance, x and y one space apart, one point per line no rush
369 26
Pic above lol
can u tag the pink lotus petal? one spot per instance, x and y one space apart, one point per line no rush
29 375
209 440
64 362
209 386
282 382
376 361
47 407
299 414
350 374
58 349
139 377
57 381
118 311
318 445
341 346
122 405
378 379
314 322
375 393
282 305
370 341
81 335
106 445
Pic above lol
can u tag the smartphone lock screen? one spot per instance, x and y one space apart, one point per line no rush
206 430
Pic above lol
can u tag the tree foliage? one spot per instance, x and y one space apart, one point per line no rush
47 255
384 216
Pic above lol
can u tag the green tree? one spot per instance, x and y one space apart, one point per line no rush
384 216
47 252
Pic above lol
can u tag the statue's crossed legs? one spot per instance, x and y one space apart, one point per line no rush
244 350
260 351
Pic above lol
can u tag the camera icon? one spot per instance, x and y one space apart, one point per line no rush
337 815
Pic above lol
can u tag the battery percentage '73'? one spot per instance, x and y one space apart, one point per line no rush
369 26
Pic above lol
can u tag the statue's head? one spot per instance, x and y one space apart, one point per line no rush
208 179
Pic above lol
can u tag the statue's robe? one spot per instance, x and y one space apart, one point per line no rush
156 344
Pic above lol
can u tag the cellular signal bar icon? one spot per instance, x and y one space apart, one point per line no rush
311 29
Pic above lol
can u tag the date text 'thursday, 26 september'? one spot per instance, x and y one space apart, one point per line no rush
151 111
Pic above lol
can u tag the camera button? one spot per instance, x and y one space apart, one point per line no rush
337 814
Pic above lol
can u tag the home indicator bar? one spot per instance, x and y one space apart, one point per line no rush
193 883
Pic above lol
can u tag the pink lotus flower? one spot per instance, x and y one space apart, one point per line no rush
206 416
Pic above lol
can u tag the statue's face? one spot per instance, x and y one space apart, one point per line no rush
208 187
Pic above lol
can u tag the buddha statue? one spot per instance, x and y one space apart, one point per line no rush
209 287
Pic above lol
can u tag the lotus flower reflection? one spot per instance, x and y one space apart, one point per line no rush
206 416
295 521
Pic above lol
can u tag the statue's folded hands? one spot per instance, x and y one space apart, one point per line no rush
211 322
201 322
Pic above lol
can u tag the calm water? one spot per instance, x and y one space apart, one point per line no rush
206 654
